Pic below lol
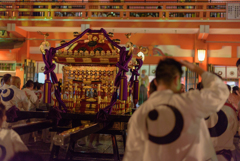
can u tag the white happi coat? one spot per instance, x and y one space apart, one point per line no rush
11 142
222 134
32 97
177 132
19 99
5 86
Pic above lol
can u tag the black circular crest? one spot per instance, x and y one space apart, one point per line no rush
92 43
221 125
98 49
3 152
174 134
82 49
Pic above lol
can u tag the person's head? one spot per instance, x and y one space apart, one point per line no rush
2 114
30 84
199 86
168 75
235 89
40 87
182 88
238 67
7 78
35 85
190 89
153 87
16 81
143 71
26 156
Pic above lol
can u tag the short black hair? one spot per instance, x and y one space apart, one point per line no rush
234 89
238 63
29 83
2 111
6 78
39 85
153 87
229 87
35 85
190 89
167 70
199 86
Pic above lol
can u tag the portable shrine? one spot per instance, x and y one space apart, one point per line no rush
94 74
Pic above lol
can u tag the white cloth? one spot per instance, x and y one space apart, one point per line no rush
225 140
32 97
193 143
11 142
19 99
5 86
42 105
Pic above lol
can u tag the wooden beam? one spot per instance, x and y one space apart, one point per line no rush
32 126
223 61
18 32
156 59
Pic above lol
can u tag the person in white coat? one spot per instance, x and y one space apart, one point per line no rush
10 142
6 82
222 127
170 126
13 96
32 97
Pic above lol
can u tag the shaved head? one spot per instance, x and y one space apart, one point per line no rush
16 81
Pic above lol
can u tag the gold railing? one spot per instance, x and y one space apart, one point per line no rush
113 10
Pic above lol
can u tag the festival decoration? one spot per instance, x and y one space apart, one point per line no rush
91 81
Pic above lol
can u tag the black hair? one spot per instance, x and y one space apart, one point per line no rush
190 89
153 87
6 78
29 83
26 156
229 87
167 70
234 89
35 85
238 63
199 86
39 85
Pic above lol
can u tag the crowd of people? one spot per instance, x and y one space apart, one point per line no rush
170 125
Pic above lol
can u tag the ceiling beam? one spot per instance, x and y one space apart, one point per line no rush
18 32
203 32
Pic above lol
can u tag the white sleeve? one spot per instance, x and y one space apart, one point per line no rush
25 102
33 98
210 99
17 143
134 145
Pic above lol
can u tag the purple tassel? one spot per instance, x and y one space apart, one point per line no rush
47 91
136 91
123 88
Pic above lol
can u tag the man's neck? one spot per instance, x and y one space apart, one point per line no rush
163 88
14 86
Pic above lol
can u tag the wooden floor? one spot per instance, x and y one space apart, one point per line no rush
101 153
